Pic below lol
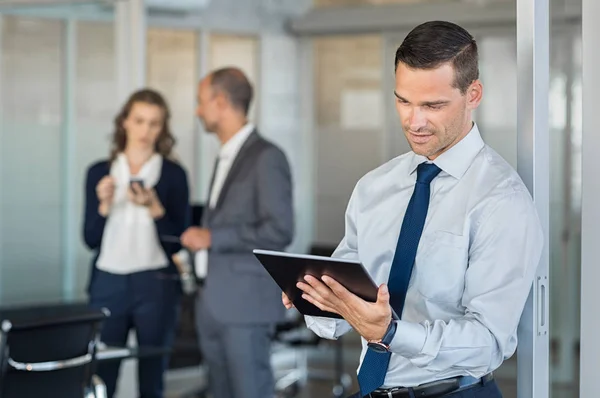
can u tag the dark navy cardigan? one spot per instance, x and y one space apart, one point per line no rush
172 190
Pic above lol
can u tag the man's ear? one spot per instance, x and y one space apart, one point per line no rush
221 99
474 94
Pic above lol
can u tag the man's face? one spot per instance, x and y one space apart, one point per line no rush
434 114
207 109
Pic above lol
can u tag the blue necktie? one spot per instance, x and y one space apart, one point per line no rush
375 364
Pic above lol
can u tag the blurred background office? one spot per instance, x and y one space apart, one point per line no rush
323 75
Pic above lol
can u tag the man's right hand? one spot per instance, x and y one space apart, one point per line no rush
105 191
286 301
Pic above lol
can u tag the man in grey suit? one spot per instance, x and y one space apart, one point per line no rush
249 207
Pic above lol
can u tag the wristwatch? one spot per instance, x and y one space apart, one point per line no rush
383 345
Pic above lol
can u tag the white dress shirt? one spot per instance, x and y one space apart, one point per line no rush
227 155
130 240
474 267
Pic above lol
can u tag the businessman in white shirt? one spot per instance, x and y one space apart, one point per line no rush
448 231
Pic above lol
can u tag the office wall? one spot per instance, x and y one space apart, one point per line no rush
172 69
95 108
349 124
497 114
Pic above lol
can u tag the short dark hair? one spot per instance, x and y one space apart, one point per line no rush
434 43
235 85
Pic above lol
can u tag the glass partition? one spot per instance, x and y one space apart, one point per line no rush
31 82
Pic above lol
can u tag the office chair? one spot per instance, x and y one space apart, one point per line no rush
51 356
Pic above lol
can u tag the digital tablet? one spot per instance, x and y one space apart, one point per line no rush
287 269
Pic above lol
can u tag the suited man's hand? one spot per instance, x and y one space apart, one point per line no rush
370 320
195 238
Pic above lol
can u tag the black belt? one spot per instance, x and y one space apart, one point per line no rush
434 389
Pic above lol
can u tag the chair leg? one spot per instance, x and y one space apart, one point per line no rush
99 388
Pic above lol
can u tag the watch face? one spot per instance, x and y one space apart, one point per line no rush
378 347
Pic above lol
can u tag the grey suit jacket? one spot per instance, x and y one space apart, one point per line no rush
254 211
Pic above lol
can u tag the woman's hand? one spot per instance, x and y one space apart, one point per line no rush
105 190
147 198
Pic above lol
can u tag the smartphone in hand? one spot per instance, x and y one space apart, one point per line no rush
138 181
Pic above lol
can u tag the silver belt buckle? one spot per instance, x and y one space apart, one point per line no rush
391 391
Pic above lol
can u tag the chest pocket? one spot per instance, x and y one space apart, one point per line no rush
440 266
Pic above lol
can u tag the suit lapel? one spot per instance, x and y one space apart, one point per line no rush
236 166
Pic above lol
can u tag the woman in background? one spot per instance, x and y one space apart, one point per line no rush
135 202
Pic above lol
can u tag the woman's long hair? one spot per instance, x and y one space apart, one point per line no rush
165 141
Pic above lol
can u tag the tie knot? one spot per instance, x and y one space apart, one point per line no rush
426 172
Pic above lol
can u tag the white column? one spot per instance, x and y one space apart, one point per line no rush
207 146
533 66
281 91
130 47
590 213
307 129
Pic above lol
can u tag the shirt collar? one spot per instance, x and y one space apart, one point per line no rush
230 149
456 160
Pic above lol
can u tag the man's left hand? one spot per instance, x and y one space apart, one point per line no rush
370 320
195 238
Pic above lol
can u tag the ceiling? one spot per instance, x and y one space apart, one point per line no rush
269 6
329 3
177 4
198 5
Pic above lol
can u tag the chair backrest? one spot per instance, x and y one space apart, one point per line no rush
52 355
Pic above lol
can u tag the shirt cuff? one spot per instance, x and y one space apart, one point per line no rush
409 339
323 327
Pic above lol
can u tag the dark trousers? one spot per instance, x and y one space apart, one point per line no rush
487 390
237 357
148 302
